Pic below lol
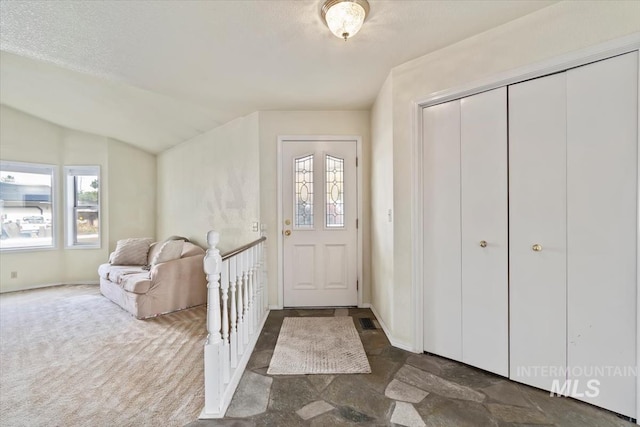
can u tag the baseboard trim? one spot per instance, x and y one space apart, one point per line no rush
237 374
365 305
394 342
50 285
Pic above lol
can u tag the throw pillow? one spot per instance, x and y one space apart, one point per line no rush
131 251
169 251
177 238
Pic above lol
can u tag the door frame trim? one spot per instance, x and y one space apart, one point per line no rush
359 177
559 63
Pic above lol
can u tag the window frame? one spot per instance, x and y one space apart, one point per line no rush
43 169
71 205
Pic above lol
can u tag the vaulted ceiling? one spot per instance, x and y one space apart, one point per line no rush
156 73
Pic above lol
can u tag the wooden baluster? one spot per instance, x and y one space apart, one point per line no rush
263 266
213 384
256 273
257 315
245 290
263 275
252 327
252 290
233 308
224 286
263 289
238 275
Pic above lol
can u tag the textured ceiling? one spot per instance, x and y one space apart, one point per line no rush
156 73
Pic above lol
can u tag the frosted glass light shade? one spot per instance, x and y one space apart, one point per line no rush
345 17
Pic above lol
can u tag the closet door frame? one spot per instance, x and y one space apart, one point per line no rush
560 63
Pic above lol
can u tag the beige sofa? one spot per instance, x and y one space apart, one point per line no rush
147 291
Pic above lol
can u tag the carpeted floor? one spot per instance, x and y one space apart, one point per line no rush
69 356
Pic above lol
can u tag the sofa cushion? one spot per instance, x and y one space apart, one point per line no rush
118 273
153 251
131 251
137 283
190 249
169 251
177 238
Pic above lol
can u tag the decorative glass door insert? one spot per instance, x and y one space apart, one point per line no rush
334 173
304 192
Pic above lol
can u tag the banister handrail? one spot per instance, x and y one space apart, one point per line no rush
237 307
236 251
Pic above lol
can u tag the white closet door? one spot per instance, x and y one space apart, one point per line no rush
537 216
485 311
602 114
441 173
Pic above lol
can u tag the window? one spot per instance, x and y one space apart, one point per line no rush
334 172
26 206
304 192
82 206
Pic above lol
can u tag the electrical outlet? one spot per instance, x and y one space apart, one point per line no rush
390 215
255 226
14 274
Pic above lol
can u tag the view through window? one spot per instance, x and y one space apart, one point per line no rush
26 205
83 206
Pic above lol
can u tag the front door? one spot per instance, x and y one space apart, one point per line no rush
319 211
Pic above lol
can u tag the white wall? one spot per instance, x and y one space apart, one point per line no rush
276 123
127 190
211 182
381 203
550 32
226 178
132 193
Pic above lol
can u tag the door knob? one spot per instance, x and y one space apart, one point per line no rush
287 232
536 247
483 243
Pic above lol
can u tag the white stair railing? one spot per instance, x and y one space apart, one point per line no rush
236 311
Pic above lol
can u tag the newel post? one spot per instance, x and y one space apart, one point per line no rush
213 384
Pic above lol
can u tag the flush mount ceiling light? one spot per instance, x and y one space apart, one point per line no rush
345 17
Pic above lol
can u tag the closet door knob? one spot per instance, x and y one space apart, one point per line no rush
536 247
483 243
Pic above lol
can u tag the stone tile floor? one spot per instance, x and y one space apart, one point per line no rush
403 389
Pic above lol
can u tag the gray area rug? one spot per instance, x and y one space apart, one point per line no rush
71 357
318 345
